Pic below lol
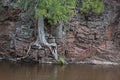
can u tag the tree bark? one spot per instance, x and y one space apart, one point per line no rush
57 31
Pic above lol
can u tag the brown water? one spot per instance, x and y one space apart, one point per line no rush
10 71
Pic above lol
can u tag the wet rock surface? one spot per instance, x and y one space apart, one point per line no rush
25 25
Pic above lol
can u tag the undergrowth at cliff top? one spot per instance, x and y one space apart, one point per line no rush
53 10
92 7
60 10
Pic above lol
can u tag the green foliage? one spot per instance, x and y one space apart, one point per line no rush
92 6
55 10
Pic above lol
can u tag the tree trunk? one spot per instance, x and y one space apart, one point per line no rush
57 31
41 40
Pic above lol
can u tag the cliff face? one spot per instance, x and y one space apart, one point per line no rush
99 39
96 39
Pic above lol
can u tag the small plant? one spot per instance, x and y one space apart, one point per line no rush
61 60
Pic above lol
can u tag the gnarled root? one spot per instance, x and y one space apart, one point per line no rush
41 40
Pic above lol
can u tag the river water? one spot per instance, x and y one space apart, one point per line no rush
25 71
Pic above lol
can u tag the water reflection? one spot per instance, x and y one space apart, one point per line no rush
10 71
